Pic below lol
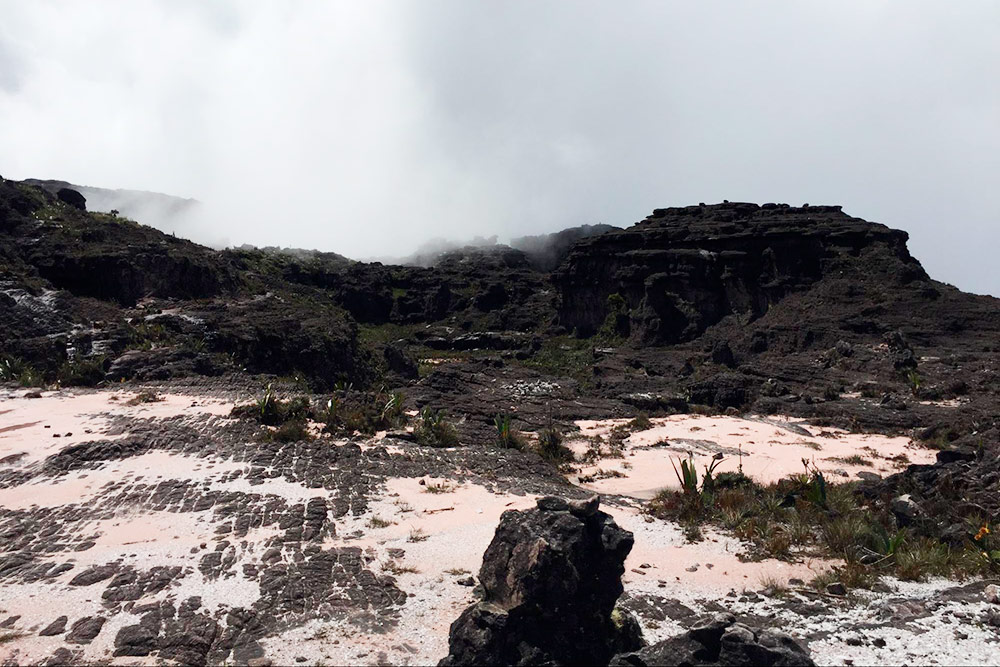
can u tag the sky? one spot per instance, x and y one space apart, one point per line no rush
370 127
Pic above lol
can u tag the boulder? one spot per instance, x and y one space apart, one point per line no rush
550 580
73 198
720 641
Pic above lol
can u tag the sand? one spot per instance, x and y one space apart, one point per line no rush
442 534
766 449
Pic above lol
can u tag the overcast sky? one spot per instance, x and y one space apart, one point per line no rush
368 127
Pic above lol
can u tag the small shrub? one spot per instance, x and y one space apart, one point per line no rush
13 369
144 397
640 423
831 393
921 559
616 324
291 431
853 460
687 474
82 373
550 445
443 487
434 430
508 436
364 412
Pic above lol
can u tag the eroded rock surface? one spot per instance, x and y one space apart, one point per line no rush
720 641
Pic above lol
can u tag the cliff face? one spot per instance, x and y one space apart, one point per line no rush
683 269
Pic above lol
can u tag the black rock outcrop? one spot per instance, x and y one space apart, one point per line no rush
551 577
683 269
720 641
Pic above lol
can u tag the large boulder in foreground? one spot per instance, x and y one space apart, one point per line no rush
720 641
551 577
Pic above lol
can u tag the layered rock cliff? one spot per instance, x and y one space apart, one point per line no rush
683 269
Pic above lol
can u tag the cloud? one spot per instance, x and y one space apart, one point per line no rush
368 128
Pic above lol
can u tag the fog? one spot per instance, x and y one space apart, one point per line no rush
370 128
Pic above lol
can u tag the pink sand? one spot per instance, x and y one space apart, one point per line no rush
770 452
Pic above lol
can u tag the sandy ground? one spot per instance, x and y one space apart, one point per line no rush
765 448
429 533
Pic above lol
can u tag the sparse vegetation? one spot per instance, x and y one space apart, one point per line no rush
378 522
442 487
853 460
13 369
394 568
270 410
434 430
804 515
144 397
292 431
508 437
88 372
349 411
551 447
615 327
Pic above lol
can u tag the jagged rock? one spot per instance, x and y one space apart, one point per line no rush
900 351
723 354
720 641
550 580
94 574
585 507
56 627
85 630
725 390
905 509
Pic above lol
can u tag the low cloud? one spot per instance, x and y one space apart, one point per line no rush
369 128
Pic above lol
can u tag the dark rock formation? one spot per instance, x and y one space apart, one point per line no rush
56 627
720 641
73 198
547 251
85 630
550 577
684 269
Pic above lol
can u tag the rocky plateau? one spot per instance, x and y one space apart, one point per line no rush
728 434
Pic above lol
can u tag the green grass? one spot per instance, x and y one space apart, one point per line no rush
565 356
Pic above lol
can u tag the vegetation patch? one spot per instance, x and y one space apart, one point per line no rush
804 515
434 430
349 411
508 437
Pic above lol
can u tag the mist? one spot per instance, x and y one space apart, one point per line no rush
370 128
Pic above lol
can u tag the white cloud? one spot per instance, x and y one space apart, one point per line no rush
368 127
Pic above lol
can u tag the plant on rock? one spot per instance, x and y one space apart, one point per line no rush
434 429
508 437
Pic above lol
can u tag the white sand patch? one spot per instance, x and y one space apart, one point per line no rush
768 449
709 568
29 425
444 536
41 603
79 486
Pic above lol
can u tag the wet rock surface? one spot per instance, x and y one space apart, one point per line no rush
550 579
